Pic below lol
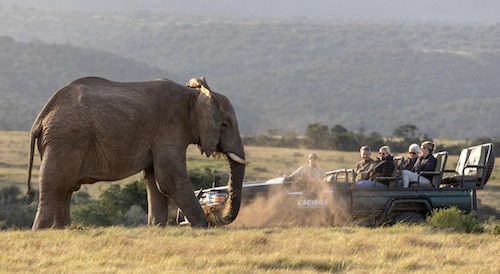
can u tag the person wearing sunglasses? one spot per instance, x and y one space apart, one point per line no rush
425 162
413 151
383 166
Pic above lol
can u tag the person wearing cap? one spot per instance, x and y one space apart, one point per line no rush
362 169
383 166
311 172
413 151
425 162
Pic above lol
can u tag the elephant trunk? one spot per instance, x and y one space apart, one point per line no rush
226 212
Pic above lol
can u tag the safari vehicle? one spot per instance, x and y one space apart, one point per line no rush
342 203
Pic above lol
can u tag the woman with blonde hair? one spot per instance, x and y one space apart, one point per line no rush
383 166
425 162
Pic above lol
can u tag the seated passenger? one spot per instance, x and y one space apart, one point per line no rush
362 169
413 151
425 162
383 166
311 172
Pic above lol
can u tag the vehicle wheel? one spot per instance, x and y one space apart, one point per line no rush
409 218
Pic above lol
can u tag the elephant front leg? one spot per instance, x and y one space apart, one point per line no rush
173 181
185 199
157 201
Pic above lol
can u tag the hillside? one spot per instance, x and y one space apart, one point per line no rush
32 72
389 10
286 74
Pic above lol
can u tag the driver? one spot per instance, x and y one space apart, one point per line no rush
311 172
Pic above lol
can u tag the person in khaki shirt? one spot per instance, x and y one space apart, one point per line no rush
311 172
362 168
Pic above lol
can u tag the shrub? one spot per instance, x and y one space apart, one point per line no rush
117 205
453 219
496 230
135 216
13 209
93 214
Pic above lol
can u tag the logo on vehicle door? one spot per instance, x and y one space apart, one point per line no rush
312 203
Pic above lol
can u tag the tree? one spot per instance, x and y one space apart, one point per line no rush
342 139
317 136
408 133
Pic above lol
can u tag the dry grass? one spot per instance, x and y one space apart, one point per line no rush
230 250
242 249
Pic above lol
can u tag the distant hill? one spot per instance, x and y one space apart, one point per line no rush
444 11
31 72
286 74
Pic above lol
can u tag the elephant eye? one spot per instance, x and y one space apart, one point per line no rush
223 125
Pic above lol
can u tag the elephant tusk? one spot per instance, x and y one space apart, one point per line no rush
237 159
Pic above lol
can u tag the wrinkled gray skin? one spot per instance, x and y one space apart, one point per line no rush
96 130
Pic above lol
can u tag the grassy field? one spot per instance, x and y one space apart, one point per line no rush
226 250
276 249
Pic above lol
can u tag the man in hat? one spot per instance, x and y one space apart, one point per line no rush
311 172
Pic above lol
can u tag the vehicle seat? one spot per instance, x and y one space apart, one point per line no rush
394 179
474 166
340 176
437 174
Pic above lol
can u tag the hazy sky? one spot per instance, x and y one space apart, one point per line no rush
456 11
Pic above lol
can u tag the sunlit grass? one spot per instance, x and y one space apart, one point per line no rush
245 250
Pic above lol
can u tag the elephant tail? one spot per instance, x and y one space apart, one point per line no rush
35 134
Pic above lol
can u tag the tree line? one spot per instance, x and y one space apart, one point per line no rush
337 137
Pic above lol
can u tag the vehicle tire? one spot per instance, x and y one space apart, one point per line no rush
409 217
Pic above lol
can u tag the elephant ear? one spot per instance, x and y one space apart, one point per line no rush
207 108
198 83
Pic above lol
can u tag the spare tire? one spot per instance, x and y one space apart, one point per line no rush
488 166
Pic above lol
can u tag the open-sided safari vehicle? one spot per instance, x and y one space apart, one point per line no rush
339 202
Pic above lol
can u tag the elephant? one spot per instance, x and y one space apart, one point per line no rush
94 129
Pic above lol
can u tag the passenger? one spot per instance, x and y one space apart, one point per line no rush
383 166
362 169
425 162
311 172
413 151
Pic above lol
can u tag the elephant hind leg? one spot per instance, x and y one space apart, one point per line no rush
56 188
53 211
63 215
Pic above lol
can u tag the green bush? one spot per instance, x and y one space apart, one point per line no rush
117 205
93 214
135 216
13 209
453 219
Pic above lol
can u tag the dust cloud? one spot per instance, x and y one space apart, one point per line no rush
292 204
